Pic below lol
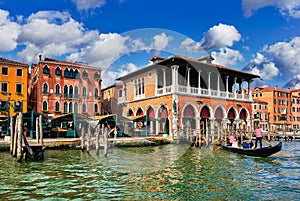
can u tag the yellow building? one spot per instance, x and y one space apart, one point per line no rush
13 89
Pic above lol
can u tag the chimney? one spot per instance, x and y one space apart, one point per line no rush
40 57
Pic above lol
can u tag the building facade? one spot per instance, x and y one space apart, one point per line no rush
181 93
279 106
110 96
58 87
295 119
13 96
261 115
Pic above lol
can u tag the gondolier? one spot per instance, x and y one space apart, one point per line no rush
258 133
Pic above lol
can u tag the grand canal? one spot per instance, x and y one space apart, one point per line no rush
196 174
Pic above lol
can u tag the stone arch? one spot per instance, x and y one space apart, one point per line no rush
189 115
205 114
130 112
219 113
163 119
151 124
139 112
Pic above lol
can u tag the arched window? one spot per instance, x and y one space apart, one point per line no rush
57 89
76 108
45 106
45 88
71 107
66 89
84 91
76 74
57 109
76 91
72 73
71 90
58 71
84 74
67 72
46 70
83 108
96 93
97 76
65 107
96 108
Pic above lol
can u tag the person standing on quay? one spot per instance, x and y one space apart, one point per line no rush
258 133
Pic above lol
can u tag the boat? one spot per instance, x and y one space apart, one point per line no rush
263 152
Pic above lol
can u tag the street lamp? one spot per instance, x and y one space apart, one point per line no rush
8 114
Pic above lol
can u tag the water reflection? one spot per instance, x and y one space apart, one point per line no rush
206 174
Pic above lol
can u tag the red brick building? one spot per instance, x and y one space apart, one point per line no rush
181 93
58 87
295 119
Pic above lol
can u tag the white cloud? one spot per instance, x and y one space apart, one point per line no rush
263 67
109 77
226 56
9 32
220 36
286 55
286 7
161 41
88 4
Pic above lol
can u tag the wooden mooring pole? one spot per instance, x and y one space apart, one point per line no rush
105 135
11 147
82 139
19 134
97 140
41 130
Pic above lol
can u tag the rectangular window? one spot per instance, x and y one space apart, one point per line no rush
4 87
18 106
19 72
4 70
18 88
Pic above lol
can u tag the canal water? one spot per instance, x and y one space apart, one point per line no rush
170 172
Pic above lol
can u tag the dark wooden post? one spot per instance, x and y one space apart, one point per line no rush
37 130
15 138
88 139
41 130
82 138
97 141
11 135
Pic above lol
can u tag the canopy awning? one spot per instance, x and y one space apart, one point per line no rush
139 118
103 117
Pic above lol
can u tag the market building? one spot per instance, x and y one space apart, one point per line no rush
184 94
59 87
13 96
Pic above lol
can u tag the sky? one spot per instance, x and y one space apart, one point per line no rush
120 36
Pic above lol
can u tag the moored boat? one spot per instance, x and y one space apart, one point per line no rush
263 152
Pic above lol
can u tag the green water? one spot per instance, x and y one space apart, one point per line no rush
206 174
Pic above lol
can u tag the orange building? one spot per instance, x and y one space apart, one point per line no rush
279 106
295 119
110 96
261 115
181 93
59 87
13 78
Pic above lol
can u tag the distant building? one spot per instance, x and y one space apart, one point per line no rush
261 115
295 119
110 99
13 96
58 87
184 94
279 106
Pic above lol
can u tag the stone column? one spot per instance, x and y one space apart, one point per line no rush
227 91
209 90
218 85
188 81
164 80
199 81
235 87
242 89
249 90
212 129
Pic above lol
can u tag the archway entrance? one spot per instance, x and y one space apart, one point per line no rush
204 122
188 119
163 120
151 120
219 115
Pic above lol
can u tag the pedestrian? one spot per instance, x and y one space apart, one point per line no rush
258 133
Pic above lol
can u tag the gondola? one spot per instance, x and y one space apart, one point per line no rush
263 152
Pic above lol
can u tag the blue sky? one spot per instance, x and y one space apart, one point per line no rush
120 36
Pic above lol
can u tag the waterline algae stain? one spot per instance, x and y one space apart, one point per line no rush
199 174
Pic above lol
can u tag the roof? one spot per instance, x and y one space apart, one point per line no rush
11 62
69 116
77 64
198 64
270 89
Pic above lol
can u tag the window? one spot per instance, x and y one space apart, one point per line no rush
97 76
66 91
45 106
71 107
71 90
83 108
67 73
19 72
58 71
4 70
76 108
65 107
96 108
18 106
84 91
4 105
4 87
18 88
76 91
57 89
76 74
72 73
84 74
45 88
96 93
46 70
120 93
57 109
